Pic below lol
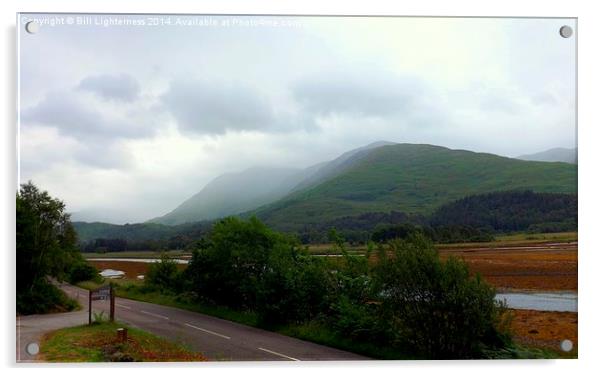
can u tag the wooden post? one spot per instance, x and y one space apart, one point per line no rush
89 307
112 298
122 335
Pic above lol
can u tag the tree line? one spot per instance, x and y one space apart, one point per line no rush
471 219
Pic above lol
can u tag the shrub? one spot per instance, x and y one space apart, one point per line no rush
164 275
435 307
292 289
229 265
43 297
83 271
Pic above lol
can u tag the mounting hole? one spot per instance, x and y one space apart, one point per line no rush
32 27
566 31
566 345
32 348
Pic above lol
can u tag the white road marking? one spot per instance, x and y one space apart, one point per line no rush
275 353
207 331
122 306
156 315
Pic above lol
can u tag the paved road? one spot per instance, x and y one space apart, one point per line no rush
217 339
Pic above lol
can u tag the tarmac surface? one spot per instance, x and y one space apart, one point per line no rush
216 339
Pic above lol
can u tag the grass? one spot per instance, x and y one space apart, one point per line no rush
315 332
517 239
98 343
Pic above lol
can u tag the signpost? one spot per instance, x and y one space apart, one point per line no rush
102 293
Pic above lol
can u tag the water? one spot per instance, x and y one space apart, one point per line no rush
111 273
563 302
132 259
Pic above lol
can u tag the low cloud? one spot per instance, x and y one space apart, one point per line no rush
359 94
120 87
205 108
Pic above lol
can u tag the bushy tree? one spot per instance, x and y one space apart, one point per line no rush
436 308
245 265
164 275
46 247
293 287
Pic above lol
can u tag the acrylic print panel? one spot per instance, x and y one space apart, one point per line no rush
283 188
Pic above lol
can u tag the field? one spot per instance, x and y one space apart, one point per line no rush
97 343
541 266
132 269
137 254
545 329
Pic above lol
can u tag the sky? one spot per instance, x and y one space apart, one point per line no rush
125 117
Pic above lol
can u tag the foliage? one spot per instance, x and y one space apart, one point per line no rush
164 274
82 271
511 211
44 297
245 265
474 218
409 301
139 236
292 289
46 247
435 307
439 234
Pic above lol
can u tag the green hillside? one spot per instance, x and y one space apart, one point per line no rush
414 179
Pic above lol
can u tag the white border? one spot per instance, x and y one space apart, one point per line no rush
590 31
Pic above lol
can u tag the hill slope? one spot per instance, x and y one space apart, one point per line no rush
413 179
234 193
552 155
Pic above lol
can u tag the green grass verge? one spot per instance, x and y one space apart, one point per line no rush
98 343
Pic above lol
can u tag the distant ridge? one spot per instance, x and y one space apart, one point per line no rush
553 155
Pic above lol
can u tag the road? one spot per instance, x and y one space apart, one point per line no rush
215 338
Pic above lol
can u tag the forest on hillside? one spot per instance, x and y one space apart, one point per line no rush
473 218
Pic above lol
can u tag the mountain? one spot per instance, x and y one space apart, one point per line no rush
330 169
236 193
412 178
553 155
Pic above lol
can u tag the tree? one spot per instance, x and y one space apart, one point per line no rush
436 308
46 246
163 274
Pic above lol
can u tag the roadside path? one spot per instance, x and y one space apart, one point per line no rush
31 328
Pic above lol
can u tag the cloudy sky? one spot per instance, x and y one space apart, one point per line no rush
125 117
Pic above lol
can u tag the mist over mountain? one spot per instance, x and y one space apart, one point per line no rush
235 193
553 155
